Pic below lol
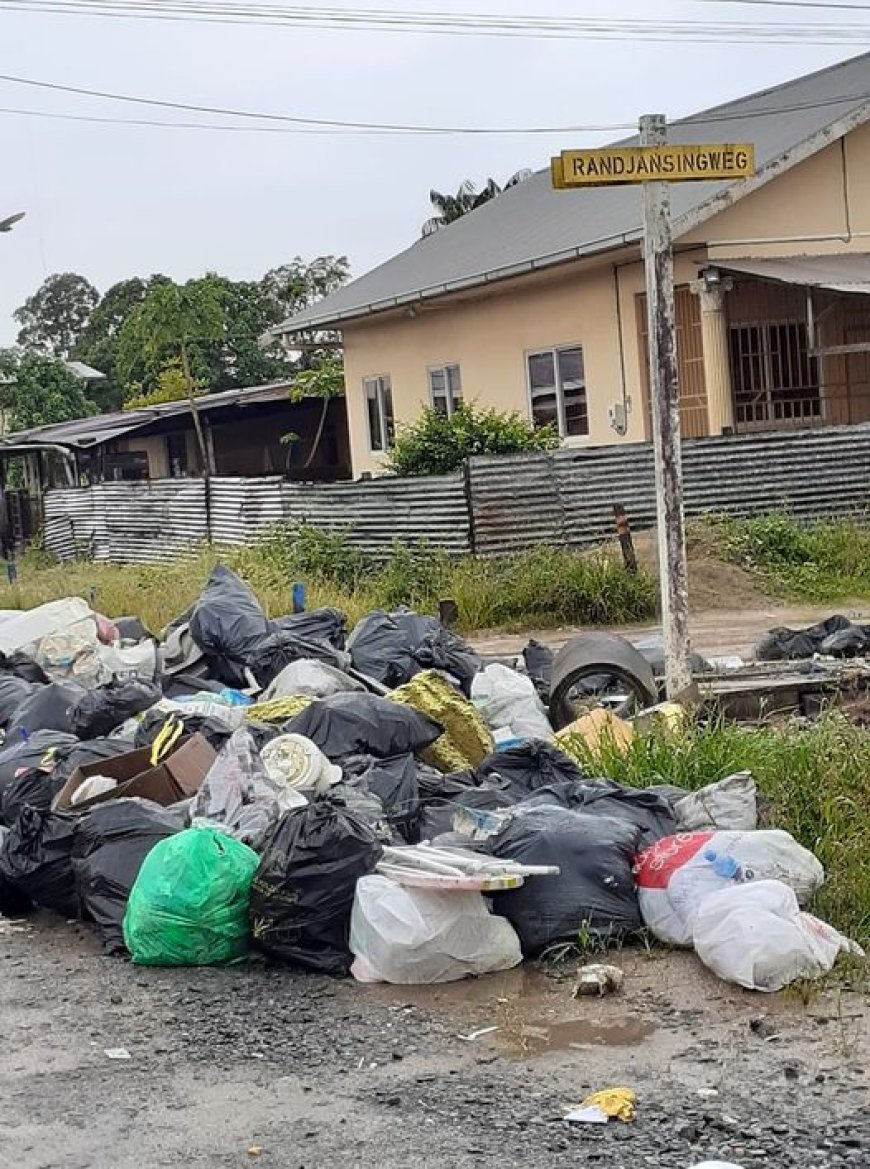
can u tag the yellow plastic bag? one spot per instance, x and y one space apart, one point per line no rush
466 740
595 728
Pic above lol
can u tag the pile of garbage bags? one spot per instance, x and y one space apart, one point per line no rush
386 804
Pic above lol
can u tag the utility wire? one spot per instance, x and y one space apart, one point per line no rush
470 24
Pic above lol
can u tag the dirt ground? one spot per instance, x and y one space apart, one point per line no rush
266 1065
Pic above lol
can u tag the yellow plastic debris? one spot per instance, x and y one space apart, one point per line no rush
615 1103
671 716
278 710
466 740
597 727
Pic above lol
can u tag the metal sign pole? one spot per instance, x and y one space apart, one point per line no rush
665 403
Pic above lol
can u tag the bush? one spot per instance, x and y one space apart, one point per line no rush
435 445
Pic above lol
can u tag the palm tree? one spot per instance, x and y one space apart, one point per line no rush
449 208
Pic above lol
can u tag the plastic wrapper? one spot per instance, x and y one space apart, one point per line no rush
363 724
439 815
109 846
36 860
103 709
466 741
507 699
677 874
393 647
311 677
189 903
757 936
238 795
303 891
416 936
594 893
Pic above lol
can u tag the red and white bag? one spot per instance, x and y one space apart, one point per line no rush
677 873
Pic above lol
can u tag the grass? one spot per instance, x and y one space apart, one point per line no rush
541 587
821 562
814 779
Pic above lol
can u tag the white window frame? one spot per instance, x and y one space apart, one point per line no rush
382 382
448 393
554 351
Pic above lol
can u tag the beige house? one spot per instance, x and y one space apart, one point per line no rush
534 302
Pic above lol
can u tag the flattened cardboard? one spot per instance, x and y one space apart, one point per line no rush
178 777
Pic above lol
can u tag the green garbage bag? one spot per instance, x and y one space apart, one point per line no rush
189 904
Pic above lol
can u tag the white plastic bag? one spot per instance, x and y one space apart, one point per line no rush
505 698
729 804
757 936
675 875
417 937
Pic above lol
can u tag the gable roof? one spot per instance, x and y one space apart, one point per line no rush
532 226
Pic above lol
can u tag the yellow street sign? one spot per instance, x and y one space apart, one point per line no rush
650 164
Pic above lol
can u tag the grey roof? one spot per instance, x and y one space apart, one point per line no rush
532 226
840 273
82 433
86 373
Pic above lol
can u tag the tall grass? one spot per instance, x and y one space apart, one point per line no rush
824 562
541 587
814 781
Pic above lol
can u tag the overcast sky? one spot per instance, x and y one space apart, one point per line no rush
117 201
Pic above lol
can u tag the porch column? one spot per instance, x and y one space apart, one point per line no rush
711 289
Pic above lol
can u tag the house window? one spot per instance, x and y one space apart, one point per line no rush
176 454
126 466
557 385
445 389
776 379
379 411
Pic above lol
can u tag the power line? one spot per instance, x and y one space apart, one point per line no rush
470 24
817 5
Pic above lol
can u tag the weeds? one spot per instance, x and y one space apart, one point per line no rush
815 781
543 586
821 562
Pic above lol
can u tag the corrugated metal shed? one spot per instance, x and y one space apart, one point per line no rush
531 226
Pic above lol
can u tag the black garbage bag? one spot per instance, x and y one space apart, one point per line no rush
214 730
530 765
34 788
363 724
328 626
132 629
652 649
13 692
21 665
12 902
228 623
104 708
83 754
437 816
646 810
836 636
109 846
539 666
280 647
47 708
594 893
36 860
394 782
393 647
303 891
46 750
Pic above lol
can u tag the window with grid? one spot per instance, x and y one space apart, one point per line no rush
775 377
379 412
445 389
557 386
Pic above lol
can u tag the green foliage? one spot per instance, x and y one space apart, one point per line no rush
436 445
449 208
824 562
53 319
172 319
324 379
171 387
816 778
40 391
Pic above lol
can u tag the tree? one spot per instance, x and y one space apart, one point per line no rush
324 380
38 391
449 208
296 286
171 387
238 359
53 319
98 343
436 445
165 325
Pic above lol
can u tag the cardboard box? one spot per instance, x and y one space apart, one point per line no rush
178 777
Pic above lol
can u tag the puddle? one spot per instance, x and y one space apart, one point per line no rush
527 1038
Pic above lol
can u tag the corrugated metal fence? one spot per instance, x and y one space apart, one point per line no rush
501 504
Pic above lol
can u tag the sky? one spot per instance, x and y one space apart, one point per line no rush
111 202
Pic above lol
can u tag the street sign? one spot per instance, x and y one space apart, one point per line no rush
647 164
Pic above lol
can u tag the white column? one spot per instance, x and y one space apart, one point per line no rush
711 290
